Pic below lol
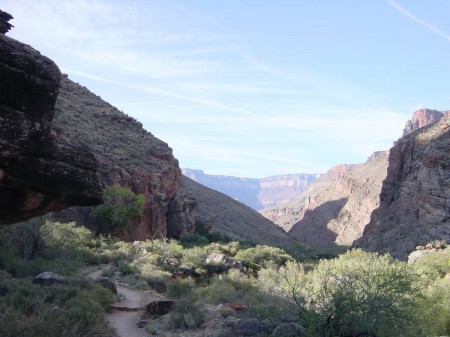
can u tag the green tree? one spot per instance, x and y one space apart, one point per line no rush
120 206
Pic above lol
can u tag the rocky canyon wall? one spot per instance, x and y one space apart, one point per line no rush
39 172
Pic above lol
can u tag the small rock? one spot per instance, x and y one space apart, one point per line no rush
107 283
248 327
288 330
142 323
236 306
48 278
420 247
417 254
55 309
216 258
225 311
159 308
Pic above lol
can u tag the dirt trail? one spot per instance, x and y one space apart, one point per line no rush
125 322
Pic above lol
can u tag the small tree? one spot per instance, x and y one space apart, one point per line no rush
120 206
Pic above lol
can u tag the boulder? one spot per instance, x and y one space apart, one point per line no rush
39 172
288 330
249 327
107 283
49 278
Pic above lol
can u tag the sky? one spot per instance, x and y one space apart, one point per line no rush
258 87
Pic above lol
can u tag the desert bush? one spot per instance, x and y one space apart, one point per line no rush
262 257
233 287
180 288
186 315
74 309
229 249
437 264
193 240
362 294
164 250
120 206
195 259
65 235
433 311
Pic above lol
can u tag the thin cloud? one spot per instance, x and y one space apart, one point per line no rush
156 91
408 14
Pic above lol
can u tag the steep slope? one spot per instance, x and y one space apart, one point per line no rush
340 214
257 193
415 197
128 156
39 172
227 216
286 215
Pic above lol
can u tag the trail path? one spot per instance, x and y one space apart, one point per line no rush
127 313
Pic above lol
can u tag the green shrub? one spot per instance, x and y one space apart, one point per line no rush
186 315
262 257
195 259
193 240
437 264
73 309
65 235
434 310
364 293
180 288
233 287
120 206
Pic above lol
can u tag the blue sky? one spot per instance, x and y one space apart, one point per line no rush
253 88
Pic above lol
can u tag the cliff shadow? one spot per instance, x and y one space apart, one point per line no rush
313 229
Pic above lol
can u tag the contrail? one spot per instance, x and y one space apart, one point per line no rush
413 17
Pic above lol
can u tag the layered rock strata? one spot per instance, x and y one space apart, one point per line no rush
257 193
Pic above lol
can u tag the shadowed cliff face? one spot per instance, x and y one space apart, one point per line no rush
341 203
415 197
39 172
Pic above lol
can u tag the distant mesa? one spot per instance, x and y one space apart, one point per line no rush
257 193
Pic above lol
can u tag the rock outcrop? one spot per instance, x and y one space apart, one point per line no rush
223 214
257 193
128 156
337 205
415 197
5 26
39 172
423 117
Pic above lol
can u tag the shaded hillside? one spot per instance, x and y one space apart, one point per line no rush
345 209
257 193
286 215
415 197
128 156
39 172
336 206
228 216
